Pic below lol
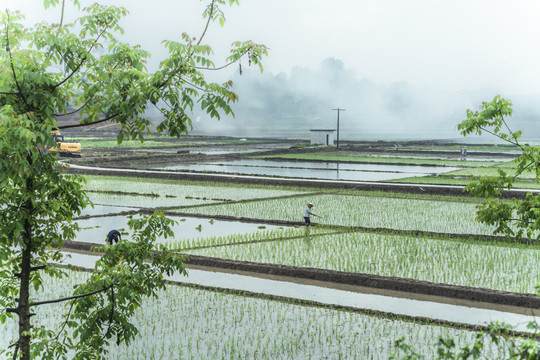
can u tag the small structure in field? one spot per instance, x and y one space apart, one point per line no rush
323 136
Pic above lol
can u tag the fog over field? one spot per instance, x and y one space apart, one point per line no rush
401 69
290 105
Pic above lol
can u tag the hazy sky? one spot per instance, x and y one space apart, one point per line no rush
449 46
453 44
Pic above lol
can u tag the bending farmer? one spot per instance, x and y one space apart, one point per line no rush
113 237
307 214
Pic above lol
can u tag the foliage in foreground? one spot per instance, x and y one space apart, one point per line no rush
51 71
497 334
519 217
513 219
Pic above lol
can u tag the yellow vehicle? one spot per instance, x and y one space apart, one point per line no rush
65 148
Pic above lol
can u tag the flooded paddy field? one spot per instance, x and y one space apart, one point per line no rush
189 232
367 211
190 322
313 170
468 263
424 238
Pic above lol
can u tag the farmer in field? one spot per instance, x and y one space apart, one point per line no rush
308 213
113 237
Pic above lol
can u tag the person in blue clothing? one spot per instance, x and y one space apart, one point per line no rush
307 213
113 237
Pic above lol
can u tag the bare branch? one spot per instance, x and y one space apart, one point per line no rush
70 297
83 60
208 22
65 322
111 316
195 86
8 49
221 67
86 124
62 15
33 268
79 109
510 131
16 353
498 136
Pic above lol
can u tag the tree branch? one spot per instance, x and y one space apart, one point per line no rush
208 22
111 316
79 109
83 60
65 322
70 297
62 15
33 268
210 15
221 67
8 49
510 131
497 136
86 124
16 351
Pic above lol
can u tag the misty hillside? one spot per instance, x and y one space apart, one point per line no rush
288 106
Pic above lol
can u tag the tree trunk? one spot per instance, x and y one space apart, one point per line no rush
26 268
24 294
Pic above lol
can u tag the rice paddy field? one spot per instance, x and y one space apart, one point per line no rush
185 322
420 237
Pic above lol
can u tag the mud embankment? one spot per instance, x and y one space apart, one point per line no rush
394 284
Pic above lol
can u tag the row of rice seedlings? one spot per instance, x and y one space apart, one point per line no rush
376 212
468 263
187 323
459 180
259 236
143 201
494 172
181 189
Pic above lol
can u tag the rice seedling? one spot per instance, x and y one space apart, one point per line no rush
188 323
366 211
468 263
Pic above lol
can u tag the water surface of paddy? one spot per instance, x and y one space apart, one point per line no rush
315 170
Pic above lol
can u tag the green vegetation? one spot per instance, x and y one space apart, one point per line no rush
184 322
373 212
50 71
507 267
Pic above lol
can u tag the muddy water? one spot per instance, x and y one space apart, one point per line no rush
315 170
353 299
95 230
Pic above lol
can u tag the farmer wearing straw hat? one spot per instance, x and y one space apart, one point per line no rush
307 214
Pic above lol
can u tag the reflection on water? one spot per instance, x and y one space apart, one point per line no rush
316 170
307 238
327 295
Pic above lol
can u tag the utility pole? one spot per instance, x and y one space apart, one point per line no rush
338 110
